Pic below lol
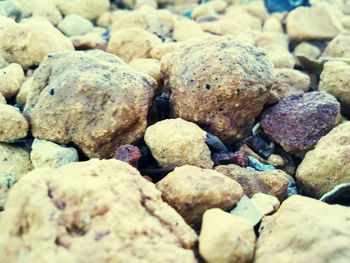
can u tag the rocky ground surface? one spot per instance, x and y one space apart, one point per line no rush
174 131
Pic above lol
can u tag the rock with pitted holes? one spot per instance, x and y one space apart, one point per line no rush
328 165
115 215
305 230
273 183
192 190
297 122
219 84
102 109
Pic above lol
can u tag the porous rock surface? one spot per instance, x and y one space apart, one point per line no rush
114 216
328 164
104 108
294 233
297 122
219 84
192 190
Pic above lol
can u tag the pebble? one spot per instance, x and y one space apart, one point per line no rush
75 25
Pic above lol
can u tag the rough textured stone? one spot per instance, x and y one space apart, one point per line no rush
265 204
21 97
149 66
305 230
328 164
317 23
339 47
11 78
226 238
129 154
192 190
13 124
40 8
134 43
104 108
14 162
51 155
73 25
268 182
114 216
335 79
275 45
28 42
219 84
288 82
90 9
176 142
299 121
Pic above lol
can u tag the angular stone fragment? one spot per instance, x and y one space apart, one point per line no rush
219 84
96 211
12 124
14 162
305 230
226 238
192 190
176 142
273 183
328 165
297 122
106 106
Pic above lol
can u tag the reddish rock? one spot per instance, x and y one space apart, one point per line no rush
239 158
299 121
129 154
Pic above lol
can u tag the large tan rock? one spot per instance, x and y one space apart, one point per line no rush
192 190
176 142
11 78
133 43
328 164
13 124
113 216
305 23
218 83
226 238
14 162
335 79
273 183
106 106
305 230
29 42
90 9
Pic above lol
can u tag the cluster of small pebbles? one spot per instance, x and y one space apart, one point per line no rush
174 131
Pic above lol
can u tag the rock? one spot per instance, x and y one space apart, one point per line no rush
312 23
275 160
187 30
288 82
164 48
265 204
11 78
327 165
39 8
203 10
115 215
132 43
176 142
2 99
104 108
237 13
75 25
299 121
247 210
226 238
14 162
3 62
303 230
273 183
129 154
192 190
21 97
335 80
89 9
13 124
34 39
158 22
148 66
338 195
89 41
338 47
275 45
218 72
273 24
51 155
10 9
238 158
307 50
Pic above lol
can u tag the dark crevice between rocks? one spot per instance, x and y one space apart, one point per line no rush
58 204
